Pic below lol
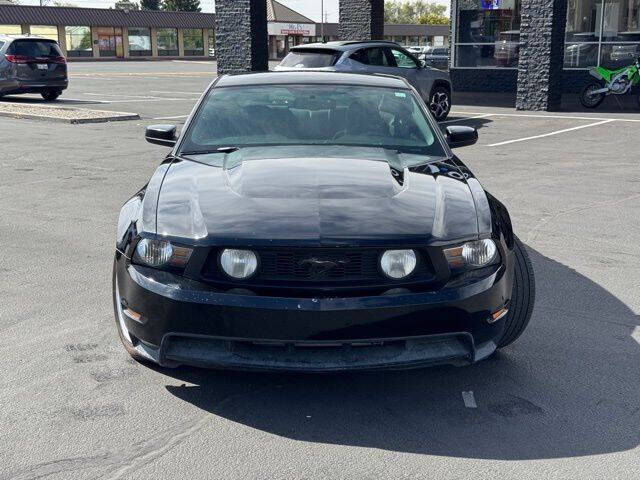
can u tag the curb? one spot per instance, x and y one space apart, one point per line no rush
108 116
75 121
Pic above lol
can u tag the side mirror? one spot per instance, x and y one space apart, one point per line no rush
458 136
161 135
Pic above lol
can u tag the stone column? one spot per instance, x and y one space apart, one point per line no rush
180 42
361 20
62 39
205 41
542 30
125 42
94 42
154 42
241 36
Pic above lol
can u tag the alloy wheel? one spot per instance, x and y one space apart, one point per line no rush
440 104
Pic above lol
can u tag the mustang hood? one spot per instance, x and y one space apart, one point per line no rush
320 200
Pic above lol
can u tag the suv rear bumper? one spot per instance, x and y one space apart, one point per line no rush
33 86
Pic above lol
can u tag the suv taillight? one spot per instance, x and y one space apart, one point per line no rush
18 58
26 59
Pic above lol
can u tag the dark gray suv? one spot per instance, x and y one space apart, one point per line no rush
434 86
31 64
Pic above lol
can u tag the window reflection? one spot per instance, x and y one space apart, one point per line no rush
140 42
78 41
488 34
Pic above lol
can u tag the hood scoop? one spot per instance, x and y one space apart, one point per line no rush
322 178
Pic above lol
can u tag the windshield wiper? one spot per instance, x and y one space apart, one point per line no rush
229 149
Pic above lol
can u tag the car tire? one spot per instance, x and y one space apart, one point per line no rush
129 347
522 298
440 102
51 95
590 101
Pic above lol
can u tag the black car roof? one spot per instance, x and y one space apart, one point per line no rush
312 77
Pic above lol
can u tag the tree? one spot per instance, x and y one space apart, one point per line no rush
126 5
181 5
415 11
150 4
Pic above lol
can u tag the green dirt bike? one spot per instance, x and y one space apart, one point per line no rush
610 82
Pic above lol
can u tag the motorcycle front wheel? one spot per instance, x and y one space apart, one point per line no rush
590 99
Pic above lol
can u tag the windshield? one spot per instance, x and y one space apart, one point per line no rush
310 59
278 115
35 48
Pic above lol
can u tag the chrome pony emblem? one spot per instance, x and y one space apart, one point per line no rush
318 267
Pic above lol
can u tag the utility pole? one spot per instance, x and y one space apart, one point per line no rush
322 19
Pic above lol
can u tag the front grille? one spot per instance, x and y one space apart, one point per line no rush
321 266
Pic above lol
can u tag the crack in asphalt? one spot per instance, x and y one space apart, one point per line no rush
537 229
125 461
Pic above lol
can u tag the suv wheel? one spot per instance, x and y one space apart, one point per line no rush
51 95
440 103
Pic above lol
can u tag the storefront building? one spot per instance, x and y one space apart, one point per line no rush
118 34
287 28
486 41
92 33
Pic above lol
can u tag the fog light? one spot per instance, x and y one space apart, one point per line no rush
239 264
397 264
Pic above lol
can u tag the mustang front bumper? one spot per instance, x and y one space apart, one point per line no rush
177 321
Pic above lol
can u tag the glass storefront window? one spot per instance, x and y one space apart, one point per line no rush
620 33
414 41
10 29
193 42
602 32
110 42
139 42
487 34
78 41
167 42
399 39
45 31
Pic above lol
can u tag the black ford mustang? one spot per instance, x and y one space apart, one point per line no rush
316 221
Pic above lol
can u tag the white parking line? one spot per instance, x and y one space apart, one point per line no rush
636 334
176 93
484 115
171 118
469 400
560 117
557 132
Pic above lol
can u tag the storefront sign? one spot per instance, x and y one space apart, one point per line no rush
281 28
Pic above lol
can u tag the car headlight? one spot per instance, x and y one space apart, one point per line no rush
238 264
398 264
478 254
156 253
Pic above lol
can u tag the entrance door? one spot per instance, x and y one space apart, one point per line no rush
110 42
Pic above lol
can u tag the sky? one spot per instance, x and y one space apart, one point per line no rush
309 8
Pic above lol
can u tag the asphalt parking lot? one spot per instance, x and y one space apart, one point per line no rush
563 402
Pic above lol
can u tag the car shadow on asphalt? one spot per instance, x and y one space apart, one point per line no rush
477 123
568 388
